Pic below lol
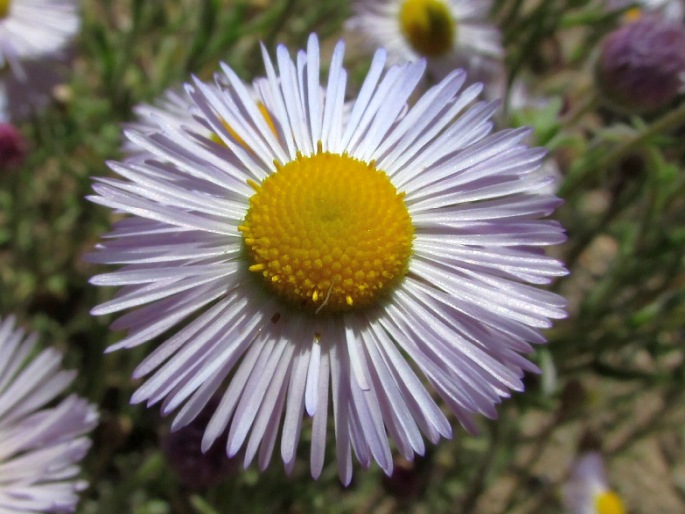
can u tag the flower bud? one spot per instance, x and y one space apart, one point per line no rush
12 146
641 65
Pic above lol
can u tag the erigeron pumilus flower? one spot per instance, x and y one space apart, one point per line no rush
41 442
587 490
449 34
33 29
318 263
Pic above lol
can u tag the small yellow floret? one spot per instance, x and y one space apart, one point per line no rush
4 8
328 232
609 502
428 26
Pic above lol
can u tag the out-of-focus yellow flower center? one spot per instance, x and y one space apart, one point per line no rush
262 109
428 26
632 14
4 8
609 502
328 232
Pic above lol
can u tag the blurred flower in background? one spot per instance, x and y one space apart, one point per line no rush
34 29
172 107
34 35
450 34
587 490
672 10
641 65
314 260
175 107
41 446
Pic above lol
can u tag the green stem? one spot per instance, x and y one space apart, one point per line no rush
590 102
666 123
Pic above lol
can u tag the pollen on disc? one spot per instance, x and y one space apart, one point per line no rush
328 232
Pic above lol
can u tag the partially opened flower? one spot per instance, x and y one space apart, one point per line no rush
672 10
175 107
641 65
41 442
324 262
450 34
33 29
587 490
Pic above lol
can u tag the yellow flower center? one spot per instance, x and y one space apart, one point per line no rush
4 8
609 502
632 14
328 232
428 26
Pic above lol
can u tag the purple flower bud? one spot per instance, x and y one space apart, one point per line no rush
12 146
641 65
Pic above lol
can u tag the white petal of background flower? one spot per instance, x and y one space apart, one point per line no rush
35 29
41 445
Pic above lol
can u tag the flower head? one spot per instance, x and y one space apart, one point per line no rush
641 65
587 491
33 29
313 254
41 446
450 34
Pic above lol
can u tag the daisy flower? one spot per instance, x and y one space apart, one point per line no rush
587 491
32 29
450 34
328 263
41 446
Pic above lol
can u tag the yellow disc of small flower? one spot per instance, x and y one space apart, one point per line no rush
328 232
4 8
428 26
609 503
632 14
